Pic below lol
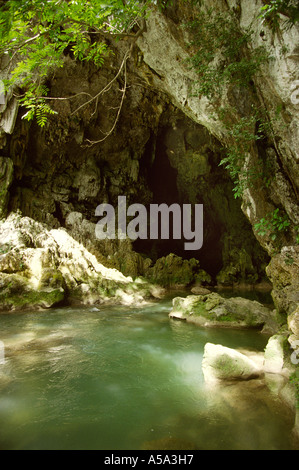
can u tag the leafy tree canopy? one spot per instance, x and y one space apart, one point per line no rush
34 35
273 9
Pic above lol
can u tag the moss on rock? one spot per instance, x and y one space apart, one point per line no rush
222 363
172 270
214 310
41 267
18 293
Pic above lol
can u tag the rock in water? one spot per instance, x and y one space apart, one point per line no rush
274 354
222 363
213 310
199 290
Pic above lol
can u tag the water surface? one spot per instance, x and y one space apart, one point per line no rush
126 378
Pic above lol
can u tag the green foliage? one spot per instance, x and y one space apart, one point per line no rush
221 53
273 224
35 35
243 134
272 11
163 4
5 248
36 105
294 380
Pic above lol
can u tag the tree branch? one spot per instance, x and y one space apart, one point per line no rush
108 86
123 66
90 142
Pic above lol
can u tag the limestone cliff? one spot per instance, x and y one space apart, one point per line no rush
274 88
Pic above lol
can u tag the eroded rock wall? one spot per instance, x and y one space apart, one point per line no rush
275 90
156 154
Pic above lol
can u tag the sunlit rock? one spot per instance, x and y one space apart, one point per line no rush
222 363
40 268
274 354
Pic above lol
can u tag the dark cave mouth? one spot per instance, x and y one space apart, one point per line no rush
229 248
162 182
209 255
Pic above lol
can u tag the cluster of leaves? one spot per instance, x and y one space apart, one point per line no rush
244 133
271 12
221 53
294 380
35 35
273 224
36 105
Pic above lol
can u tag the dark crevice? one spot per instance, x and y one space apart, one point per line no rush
162 180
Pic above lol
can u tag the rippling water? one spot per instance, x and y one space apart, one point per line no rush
126 378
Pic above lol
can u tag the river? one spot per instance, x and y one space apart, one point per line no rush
119 378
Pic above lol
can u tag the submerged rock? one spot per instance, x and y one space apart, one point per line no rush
222 363
214 310
200 290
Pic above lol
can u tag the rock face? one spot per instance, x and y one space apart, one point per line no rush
41 268
276 87
213 310
6 178
283 272
173 271
59 179
222 363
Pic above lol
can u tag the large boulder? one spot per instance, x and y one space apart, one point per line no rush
18 292
222 363
40 267
213 310
274 354
172 270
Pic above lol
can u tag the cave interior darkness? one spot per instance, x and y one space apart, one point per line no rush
162 181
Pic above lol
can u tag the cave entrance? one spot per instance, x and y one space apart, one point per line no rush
162 180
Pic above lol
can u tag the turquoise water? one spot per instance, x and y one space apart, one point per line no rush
125 378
